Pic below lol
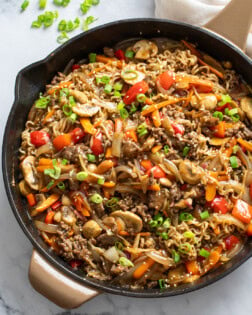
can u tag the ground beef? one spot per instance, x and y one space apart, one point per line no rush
130 149
156 199
141 209
72 152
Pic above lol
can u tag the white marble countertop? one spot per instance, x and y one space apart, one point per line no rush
20 46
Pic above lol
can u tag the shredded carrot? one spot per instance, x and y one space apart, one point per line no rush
144 233
104 59
108 153
212 69
223 178
247 145
131 134
217 230
48 116
156 118
191 48
189 98
154 187
31 199
192 267
46 238
60 86
109 184
148 101
211 188
85 212
143 268
123 233
154 107
228 152
87 125
156 148
165 213
45 204
71 232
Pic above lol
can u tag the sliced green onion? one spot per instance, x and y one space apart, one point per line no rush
175 256
112 202
204 253
204 215
226 111
61 3
117 94
184 248
92 57
161 283
164 235
91 157
62 38
96 198
235 149
167 223
54 162
118 86
61 186
188 234
67 110
24 5
95 2
235 117
186 151
142 130
108 88
166 149
153 223
62 25
133 108
42 4
145 107
64 162
218 115
185 216
50 184
42 102
123 261
64 92
124 113
132 75
233 111
100 181
129 54
119 246
141 98
234 162
85 6
89 20
81 176
36 24
73 117
53 173
225 99
72 101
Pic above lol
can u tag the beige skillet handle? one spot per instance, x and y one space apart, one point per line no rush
56 286
233 22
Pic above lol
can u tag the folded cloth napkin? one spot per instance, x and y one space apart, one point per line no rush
197 12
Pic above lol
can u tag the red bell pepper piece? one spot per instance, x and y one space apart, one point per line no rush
178 129
223 107
166 79
56 205
75 263
138 88
75 67
77 135
183 187
219 204
39 138
242 211
49 217
157 172
96 144
120 54
231 241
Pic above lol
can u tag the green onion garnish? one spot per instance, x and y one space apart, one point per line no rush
112 202
123 261
233 111
53 173
167 223
186 151
117 94
61 186
73 117
64 162
24 5
72 101
118 86
42 4
92 57
67 110
185 216
234 162
235 149
142 130
89 20
81 176
96 198
50 184
61 3
166 149
235 117
133 108
188 234
91 157
119 246
175 256
184 248
164 235
204 253
62 38
129 75
224 100
129 54
108 88
161 283
141 98
100 181
42 102
124 113
218 115
204 215
153 223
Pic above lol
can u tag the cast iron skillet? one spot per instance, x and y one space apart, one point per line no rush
31 80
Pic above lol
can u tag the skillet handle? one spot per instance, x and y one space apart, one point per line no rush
234 22
56 286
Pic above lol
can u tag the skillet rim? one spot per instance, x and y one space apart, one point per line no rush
102 286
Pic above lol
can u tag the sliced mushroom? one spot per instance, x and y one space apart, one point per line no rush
110 222
132 221
24 188
246 106
204 101
79 96
85 110
132 76
145 49
91 229
30 173
68 216
189 172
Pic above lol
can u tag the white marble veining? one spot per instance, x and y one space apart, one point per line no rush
20 46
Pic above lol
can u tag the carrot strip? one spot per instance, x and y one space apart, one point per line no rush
212 69
48 116
211 188
87 125
192 267
247 145
146 164
41 168
97 123
191 48
123 233
189 98
109 184
106 193
104 59
31 199
217 230
154 107
132 135
44 161
144 233
156 118
143 268
154 187
156 148
108 153
46 204
60 86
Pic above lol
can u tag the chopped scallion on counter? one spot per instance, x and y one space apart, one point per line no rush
42 4
62 38
89 20
24 5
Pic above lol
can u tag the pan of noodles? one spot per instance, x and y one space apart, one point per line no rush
127 160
